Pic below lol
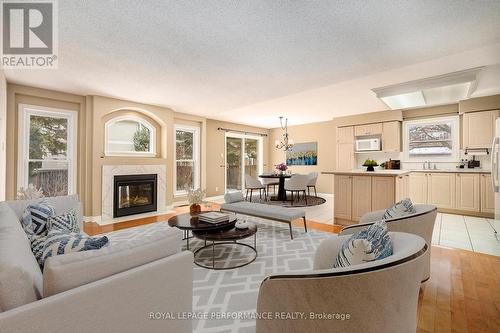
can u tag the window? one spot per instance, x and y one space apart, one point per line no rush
187 166
47 151
130 135
432 139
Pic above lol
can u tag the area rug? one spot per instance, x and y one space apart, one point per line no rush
233 293
311 201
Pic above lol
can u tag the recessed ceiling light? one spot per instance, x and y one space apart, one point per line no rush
443 89
403 101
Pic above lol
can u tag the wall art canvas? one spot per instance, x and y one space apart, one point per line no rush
303 154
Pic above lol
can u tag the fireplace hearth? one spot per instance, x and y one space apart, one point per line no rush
134 194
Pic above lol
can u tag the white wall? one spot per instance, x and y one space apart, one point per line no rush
3 130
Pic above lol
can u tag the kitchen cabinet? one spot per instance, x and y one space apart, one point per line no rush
467 191
369 129
478 129
391 136
441 190
345 148
418 187
402 187
487 195
361 196
383 192
343 195
345 134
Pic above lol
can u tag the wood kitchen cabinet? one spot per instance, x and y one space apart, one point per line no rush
487 195
361 196
369 129
402 187
343 195
345 148
391 136
468 193
441 190
418 187
383 192
478 129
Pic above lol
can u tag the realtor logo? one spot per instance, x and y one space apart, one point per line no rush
29 34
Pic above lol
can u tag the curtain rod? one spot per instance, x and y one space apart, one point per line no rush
237 131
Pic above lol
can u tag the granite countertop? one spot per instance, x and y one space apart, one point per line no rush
456 170
395 173
363 172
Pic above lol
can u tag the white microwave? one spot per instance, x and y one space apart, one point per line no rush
368 144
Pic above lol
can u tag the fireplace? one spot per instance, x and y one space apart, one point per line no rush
134 194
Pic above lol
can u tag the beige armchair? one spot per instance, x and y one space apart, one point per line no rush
421 223
378 296
297 184
252 184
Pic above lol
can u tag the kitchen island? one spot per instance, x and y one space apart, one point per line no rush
358 192
460 191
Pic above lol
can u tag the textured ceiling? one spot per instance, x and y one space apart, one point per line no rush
220 58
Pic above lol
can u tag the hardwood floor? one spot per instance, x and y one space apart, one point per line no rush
462 295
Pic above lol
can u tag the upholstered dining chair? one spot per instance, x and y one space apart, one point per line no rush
268 182
420 223
297 184
378 296
313 178
252 184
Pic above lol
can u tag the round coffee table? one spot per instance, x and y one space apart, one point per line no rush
189 222
227 236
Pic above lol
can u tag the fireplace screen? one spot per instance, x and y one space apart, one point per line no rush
134 194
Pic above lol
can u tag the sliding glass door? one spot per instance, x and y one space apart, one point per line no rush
243 157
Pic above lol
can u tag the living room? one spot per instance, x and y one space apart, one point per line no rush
249 167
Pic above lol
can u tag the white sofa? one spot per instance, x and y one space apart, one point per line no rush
379 296
119 288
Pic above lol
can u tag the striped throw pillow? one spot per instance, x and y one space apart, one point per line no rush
366 245
59 242
35 216
399 209
64 222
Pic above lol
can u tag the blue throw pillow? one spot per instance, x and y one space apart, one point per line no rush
366 245
64 222
399 209
59 242
35 216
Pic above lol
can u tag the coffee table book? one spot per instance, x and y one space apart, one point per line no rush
213 217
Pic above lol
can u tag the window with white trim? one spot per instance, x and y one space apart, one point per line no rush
129 136
187 166
47 149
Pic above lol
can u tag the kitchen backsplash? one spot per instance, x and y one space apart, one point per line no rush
382 157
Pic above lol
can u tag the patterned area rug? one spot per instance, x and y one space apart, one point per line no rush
311 201
234 292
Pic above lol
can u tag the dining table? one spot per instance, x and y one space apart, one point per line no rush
281 184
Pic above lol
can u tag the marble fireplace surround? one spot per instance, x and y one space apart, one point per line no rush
108 173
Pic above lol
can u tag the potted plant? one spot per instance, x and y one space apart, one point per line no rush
195 198
370 164
281 168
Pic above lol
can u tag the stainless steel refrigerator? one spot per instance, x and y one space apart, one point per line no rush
495 177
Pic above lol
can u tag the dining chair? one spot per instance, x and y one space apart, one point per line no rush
313 178
268 182
252 184
297 184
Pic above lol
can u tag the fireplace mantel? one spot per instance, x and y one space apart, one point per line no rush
108 173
